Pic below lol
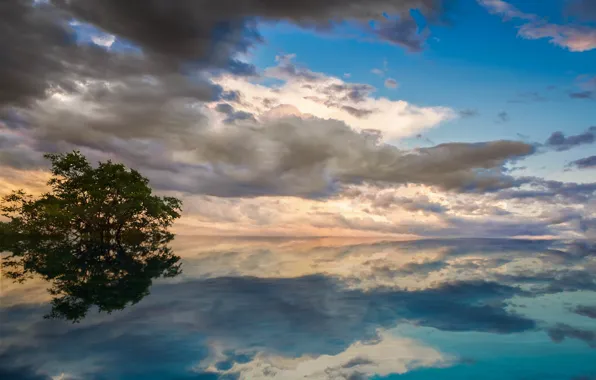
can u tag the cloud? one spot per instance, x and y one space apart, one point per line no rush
574 37
402 31
43 55
154 104
331 97
550 190
587 94
503 117
162 126
104 40
310 157
220 28
586 88
584 163
559 142
468 113
302 157
357 112
390 83
232 115
205 36
388 199
407 211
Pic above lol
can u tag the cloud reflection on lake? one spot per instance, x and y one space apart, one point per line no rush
328 309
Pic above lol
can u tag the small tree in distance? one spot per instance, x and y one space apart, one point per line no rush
98 236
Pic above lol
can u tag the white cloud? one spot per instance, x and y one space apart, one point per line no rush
574 37
105 40
329 97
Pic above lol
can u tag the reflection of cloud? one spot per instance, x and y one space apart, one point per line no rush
296 306
587 311
383 356
561 331
311 315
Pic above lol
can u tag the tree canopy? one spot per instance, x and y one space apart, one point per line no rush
99 236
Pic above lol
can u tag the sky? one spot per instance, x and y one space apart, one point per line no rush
403 118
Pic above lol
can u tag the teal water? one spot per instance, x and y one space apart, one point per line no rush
328 309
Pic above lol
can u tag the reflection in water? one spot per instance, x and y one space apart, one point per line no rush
326 309
99 236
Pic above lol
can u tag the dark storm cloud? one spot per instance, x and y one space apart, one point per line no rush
41 52
28 38
312 157
584 163
559 142
194 30
40 55
163 108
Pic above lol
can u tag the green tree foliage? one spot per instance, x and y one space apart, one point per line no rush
98 236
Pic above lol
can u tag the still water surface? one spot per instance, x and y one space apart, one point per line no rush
328 309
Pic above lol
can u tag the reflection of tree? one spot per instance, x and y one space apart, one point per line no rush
99 236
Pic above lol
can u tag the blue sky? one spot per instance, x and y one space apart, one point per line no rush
477 62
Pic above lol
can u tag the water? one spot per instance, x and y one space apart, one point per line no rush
328 309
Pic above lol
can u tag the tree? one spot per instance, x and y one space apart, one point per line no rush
98 236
